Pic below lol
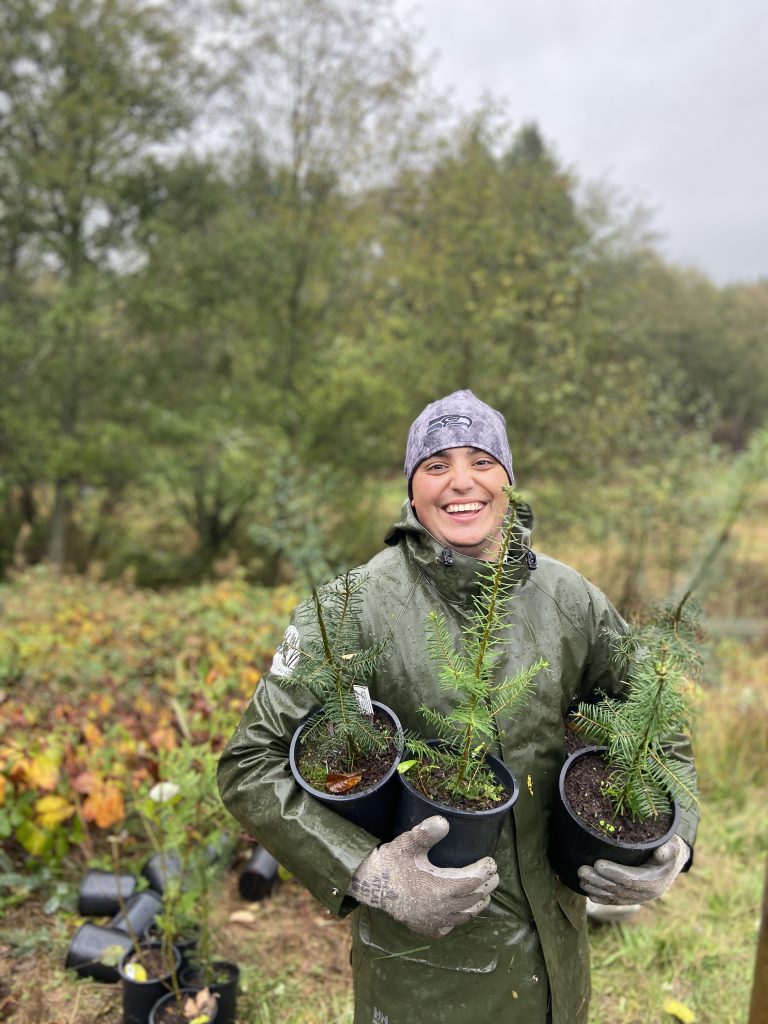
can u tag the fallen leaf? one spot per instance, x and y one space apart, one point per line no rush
105 808
242 917
85 783
41 772
52 810
679 1010
342 782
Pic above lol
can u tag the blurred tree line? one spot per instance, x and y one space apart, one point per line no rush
242 244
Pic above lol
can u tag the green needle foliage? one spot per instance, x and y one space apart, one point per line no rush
661 657
331 663
470 727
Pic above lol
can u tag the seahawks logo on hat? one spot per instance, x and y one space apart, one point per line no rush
449 421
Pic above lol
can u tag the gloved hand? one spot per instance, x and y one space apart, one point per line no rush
399 878
616 884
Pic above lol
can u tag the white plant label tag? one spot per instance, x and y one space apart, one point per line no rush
363 699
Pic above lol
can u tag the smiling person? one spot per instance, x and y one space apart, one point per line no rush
505 941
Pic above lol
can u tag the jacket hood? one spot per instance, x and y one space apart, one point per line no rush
453 573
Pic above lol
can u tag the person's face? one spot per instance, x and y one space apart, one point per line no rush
458 498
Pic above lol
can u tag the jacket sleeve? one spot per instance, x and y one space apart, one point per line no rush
604 674
311 841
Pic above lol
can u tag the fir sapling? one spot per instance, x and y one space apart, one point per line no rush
329 662
661 658
470 727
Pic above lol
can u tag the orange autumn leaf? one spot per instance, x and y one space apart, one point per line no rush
163 738
105 807
342 782
2 789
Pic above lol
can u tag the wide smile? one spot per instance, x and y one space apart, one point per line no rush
464 510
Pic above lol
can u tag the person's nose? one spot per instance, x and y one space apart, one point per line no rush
461 478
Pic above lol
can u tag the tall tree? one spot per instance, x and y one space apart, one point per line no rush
88 90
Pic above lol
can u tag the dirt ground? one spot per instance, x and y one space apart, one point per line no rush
304 947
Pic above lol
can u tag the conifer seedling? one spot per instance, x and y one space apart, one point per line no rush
329 662
470 728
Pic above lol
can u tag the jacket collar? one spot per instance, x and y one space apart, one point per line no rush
453 574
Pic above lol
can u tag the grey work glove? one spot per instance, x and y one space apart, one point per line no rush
399 878
617 884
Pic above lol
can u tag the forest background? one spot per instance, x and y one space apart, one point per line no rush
241 246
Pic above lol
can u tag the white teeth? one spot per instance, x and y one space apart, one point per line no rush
472 506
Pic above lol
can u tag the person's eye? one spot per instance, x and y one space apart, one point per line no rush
435 466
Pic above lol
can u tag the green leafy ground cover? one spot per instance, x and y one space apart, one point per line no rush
99 681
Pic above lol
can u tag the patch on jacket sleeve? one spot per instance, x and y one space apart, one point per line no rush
287 654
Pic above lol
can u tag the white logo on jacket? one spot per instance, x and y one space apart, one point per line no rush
287 654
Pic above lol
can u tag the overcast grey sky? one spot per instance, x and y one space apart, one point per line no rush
665 99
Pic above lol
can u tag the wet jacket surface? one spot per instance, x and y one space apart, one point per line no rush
530 948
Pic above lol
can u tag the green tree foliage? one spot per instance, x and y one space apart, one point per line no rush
86 91
216 322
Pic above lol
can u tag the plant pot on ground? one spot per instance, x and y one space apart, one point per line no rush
146 976
101 891
188 1006
621 799
455 775
257 877
222 978
94 952
346 753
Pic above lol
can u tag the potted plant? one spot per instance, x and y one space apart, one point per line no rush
190 1006
345 754
455 774
183 819
634 781
621 798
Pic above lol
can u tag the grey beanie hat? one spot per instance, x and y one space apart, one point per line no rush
457 421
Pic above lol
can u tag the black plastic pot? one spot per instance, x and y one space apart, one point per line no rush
140 996
573 843
88 945
140 911
100 892
373 809
160 868
155 1016
226 990
472 834
258 875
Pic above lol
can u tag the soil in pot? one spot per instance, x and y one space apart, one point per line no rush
583 789
474 830
328 771
224 984
141 994
584 828
367 795
169 1010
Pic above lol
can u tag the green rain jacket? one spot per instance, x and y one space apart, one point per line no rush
524 960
